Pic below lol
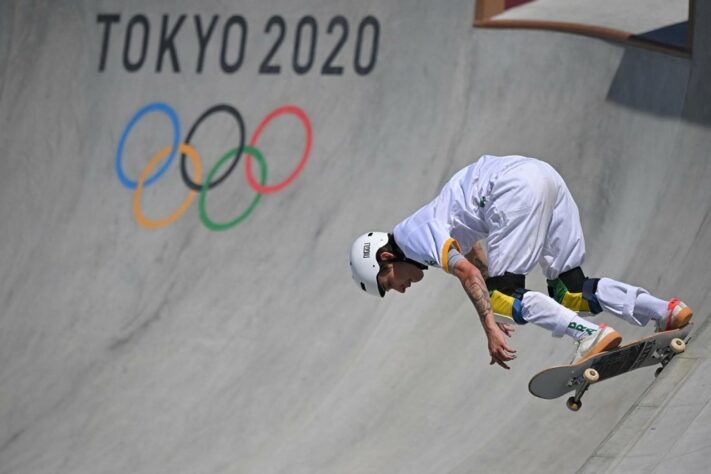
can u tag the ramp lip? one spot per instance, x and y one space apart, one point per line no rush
594 31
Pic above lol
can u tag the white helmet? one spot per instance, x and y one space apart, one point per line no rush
364 264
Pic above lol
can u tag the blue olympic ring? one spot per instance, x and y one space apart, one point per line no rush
153 107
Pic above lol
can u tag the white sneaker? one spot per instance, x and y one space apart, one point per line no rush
604 339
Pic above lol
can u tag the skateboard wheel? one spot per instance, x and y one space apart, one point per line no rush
573 405
591 375
677 345
658 371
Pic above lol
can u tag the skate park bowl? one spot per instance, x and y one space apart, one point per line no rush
151 324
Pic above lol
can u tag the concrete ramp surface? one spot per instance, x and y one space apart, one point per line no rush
149 326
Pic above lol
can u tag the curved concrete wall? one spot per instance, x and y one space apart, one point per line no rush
184 349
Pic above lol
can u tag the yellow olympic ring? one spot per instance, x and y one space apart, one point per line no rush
159 223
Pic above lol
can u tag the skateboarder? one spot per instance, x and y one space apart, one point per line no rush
524 210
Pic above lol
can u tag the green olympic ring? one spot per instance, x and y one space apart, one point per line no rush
203 191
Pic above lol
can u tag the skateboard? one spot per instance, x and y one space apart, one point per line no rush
657 349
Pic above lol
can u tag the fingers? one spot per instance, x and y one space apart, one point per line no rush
501 363
504 352
499 351
502 356
506 328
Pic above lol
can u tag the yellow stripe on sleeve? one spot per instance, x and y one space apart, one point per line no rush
445 251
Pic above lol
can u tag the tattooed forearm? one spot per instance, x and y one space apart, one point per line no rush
474 285
479 295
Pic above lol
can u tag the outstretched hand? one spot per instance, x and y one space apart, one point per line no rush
475 287
498 349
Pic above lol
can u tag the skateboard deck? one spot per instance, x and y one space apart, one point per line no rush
658 348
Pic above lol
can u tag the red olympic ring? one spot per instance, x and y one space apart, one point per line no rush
301 115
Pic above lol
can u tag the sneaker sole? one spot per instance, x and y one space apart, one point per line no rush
683 318
608 342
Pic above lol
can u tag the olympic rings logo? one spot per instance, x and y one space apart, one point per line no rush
187 152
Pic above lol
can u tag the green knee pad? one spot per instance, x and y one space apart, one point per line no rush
575 291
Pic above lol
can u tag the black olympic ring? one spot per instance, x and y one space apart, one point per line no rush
228 109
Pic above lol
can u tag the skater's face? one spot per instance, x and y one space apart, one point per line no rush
398 276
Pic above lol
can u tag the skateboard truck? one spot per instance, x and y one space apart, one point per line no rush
590 376
677 346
